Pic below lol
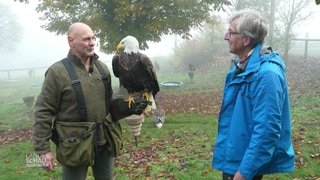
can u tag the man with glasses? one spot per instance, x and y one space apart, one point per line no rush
254 130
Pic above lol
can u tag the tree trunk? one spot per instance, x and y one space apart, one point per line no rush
271 25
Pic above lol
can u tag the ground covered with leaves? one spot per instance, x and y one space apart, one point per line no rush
302 74
202 103
155 152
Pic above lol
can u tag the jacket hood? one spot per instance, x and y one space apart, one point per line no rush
266 55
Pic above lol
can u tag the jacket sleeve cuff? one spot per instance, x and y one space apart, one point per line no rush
247 174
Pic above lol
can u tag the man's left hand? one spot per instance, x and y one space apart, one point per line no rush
139 106
238 176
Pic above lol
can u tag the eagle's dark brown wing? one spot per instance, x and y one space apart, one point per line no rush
151 71
115 65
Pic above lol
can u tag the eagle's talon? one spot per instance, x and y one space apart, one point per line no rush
130 100
146 96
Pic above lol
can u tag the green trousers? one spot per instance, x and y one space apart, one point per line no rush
102 168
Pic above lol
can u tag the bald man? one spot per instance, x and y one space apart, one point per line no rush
81 41
57 102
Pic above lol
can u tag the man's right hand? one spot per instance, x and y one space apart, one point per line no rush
47 162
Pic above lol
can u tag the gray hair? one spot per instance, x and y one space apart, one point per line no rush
251 23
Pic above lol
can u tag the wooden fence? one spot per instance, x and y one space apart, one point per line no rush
306 46
31 71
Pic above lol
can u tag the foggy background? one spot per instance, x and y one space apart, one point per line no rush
39 48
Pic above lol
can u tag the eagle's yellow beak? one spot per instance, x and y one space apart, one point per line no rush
119 47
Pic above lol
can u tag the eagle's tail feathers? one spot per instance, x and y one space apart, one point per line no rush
153 105
150 98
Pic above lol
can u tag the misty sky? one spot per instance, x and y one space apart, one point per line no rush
40 48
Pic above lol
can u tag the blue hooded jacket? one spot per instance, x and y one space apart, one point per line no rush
254 130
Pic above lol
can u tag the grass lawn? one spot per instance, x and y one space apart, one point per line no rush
182 149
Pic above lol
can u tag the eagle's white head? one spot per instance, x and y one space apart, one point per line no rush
129 45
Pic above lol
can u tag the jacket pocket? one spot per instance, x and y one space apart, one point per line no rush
113 133
76 143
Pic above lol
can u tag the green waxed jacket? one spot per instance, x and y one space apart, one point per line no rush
57 99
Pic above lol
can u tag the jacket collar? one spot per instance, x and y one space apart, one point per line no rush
253 62
76 60
261 54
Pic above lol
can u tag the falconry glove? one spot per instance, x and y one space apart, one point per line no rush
119 107
139 105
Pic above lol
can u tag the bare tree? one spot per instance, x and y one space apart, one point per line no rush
262 6
271 21
10 29
283 18
290 14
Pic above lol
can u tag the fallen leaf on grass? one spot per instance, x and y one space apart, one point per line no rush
161 174
7 161
315 155
171 178
301 161
311 175
148 172
298 152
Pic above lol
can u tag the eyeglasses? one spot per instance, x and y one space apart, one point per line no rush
229 33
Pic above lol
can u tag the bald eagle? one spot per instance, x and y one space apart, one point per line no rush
135 71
